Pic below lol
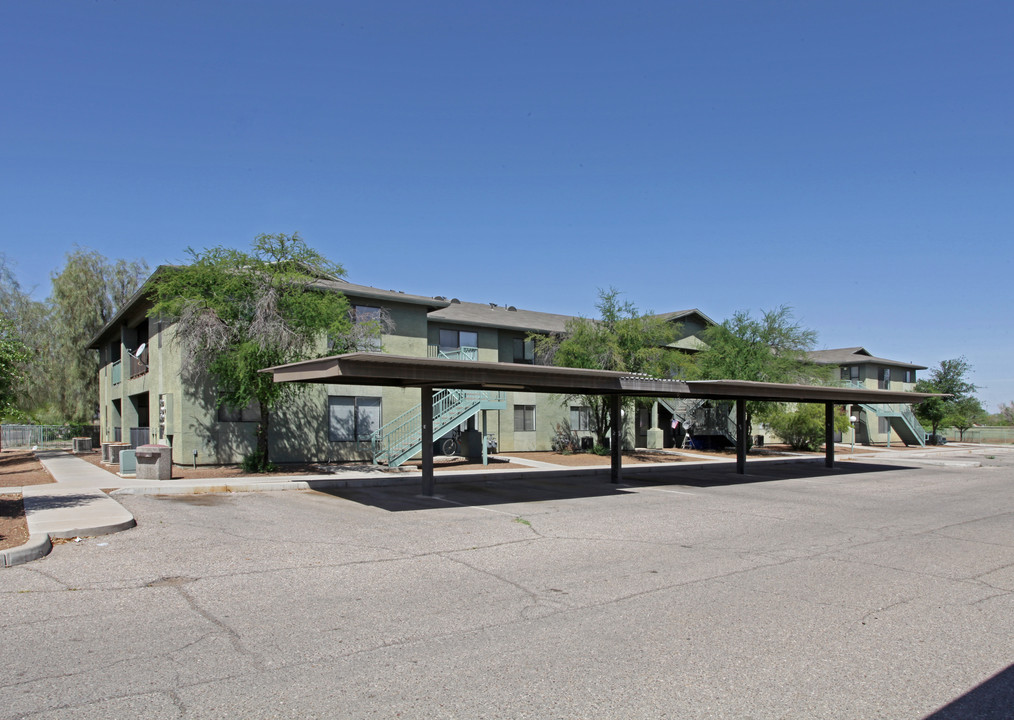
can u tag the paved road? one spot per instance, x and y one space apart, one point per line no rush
864 592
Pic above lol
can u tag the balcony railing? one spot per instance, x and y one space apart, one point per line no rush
117 372
461 353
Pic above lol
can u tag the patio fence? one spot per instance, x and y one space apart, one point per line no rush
45 437
986 435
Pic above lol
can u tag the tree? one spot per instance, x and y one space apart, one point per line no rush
621 339
86 294
950 378
27 322
236 313
770 349
965 413
1007 413
13 358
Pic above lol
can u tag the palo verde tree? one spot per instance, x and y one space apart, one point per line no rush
236 313
772 348
620 339
962 408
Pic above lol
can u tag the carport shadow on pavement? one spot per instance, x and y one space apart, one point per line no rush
480 489
991 700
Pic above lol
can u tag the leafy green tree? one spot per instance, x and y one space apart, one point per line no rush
951 377
86 294
13 358
236 313
772 348
1006 413
620 339
965 413
28 322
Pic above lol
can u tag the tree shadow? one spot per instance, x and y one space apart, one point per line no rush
541 486
990 700
57 501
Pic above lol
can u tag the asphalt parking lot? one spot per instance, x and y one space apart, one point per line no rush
868 591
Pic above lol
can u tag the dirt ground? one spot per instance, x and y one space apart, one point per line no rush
17 468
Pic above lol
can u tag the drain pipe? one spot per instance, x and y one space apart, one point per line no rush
195 459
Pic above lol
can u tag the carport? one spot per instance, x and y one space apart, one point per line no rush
430 373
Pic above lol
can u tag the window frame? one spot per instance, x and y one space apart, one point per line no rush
583 415
527 418
358 404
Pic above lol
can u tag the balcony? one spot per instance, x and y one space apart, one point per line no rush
117 372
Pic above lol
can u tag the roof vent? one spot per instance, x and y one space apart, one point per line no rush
492 305
511 308
455 300
439 297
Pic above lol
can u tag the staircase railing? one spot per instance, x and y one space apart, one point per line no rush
401 438
892 411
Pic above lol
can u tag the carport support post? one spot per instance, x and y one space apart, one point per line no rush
741 436
829 435
426 421
615 441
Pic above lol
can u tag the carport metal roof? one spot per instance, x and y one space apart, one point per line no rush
429 373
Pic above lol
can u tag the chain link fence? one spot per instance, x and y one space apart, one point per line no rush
45 437
985 435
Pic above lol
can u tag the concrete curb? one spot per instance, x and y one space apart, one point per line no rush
35 548
94 530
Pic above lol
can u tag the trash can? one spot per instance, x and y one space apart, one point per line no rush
154 462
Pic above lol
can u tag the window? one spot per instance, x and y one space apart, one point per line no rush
884 379
524 351
524 418
364 314
850 372
251 413
352 419
910 376
453 340
580 417
883 425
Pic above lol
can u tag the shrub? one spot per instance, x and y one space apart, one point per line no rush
803 428
564 439
257 463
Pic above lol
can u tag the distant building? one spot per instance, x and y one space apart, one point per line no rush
877 423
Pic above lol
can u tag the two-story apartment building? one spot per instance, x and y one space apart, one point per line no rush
146 397
861 369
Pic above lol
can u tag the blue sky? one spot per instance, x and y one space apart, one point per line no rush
854 160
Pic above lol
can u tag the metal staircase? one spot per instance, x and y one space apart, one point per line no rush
903 420
401 438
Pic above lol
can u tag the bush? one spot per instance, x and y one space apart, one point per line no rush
803 428
600 449
565 440
257 463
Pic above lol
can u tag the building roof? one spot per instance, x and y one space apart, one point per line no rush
499 316
855 356
682 314
372 293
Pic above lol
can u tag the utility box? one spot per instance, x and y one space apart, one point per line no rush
128 462
114 451
154 462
